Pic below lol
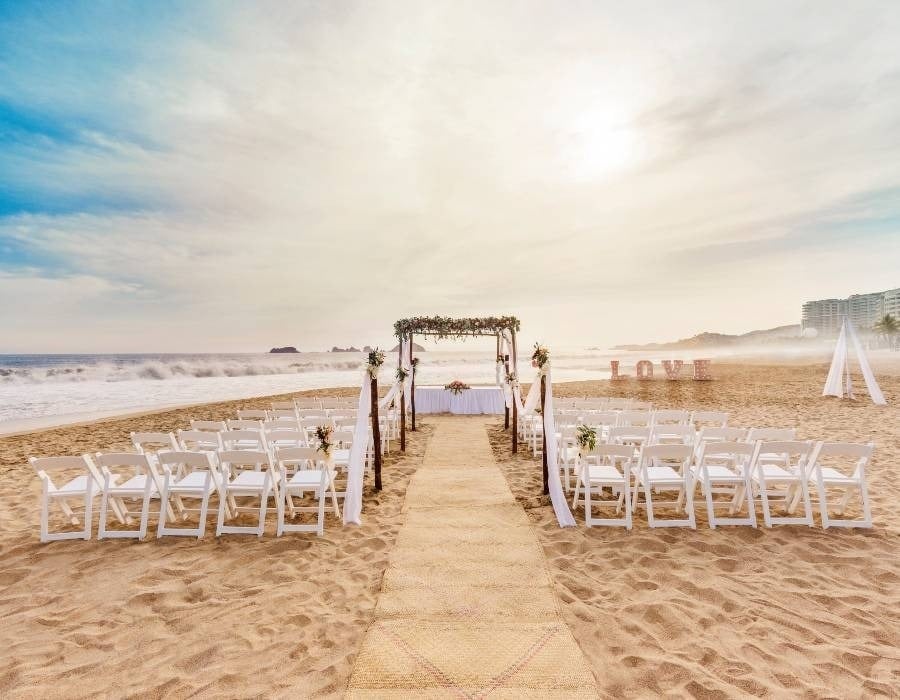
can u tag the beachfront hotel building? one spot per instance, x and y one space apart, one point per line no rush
864 310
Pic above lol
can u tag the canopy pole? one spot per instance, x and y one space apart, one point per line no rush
412 388
376 433
515 408
544 472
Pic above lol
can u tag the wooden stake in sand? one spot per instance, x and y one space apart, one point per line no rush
376 433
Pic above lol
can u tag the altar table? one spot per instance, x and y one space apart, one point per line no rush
477 400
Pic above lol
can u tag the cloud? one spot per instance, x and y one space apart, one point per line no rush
319 170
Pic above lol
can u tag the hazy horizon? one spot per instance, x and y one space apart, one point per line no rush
229 177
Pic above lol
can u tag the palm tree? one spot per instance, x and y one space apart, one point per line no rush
888 327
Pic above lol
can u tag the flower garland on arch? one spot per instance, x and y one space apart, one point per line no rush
448 327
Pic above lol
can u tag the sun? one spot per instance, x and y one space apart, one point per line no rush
600 144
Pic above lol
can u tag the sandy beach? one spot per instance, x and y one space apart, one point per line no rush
786 612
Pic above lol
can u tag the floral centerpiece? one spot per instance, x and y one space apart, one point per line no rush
587 438
540 356
323 435
456 387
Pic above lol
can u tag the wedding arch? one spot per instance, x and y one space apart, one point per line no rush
503 328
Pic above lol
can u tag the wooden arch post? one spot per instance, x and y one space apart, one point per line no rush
515 407
402 402
412 384
376 432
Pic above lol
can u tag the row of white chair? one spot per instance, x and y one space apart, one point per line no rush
176 475
767 471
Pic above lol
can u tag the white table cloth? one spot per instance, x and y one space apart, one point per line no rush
477 400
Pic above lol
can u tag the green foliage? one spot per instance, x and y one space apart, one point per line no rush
540 356
447 327
587 437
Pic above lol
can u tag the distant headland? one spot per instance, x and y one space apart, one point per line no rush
781 334
286 348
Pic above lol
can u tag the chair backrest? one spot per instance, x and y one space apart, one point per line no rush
191 461
790 454
238 424
302 402
717 418
635 418
667 433
139 463
232 461
277 413
837 454
285 438
284 406
82 464
153 442
342 438
617 404
737 454
311 412
330 402
280 424
769 434
199 440
310 424
602 418
211 425
253 414
666 453
670 417
722 435
247 439
297 457
621 434
640 406
611 454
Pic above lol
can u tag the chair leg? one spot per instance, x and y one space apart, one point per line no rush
104 506
164 507
263 503
204 506
321 521
823 499
220 520
145 512
45 517
88 510
707 488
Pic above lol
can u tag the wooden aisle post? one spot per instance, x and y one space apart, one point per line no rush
376 433
412 387
544 436
402 402
515 411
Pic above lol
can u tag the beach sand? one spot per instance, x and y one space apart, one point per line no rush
787 612
782 612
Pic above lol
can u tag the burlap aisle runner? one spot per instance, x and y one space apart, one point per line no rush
466 608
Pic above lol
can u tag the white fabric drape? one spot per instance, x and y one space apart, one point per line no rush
838 382
834 385
557 496
868 375
407 367
356 468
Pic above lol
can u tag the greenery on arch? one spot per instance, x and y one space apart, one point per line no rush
448 327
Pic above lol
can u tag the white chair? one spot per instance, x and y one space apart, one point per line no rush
276 439
671 417
640 406
84 484
724 467
636 436
243 474
284 406
252 414
151 443
635 418
712 419
722 434
310 474
618 404
848 474
666 468
186 475
567 450
243 440
283 413
214 426
199 441
778 471
606 466
126 476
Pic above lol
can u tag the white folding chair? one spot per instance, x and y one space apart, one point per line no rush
636 436
84 484
284 406
618 404
841 465
640 406
670 417
666 468
187 475
712 419
213 426
635 418
252 414
724 467
606 466
199 441
310 474
778 471
567 450
276 439
139 481
276 413
246 474
239 424
722 434
151 443
341 443
672 434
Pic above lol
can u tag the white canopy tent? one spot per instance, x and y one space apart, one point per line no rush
839 382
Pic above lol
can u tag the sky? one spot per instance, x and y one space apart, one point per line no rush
230 176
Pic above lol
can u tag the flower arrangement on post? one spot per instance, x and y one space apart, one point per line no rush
511 378
540 356
323 435
374 362
587 439
402 374
456 387
415 363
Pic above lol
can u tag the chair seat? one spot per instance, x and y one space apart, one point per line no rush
195 482
605 473
773 472
135 484
248 480
719 473
76 487
306 478
833 476
662 474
